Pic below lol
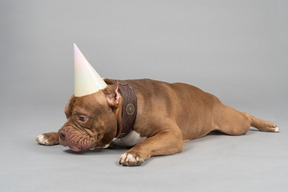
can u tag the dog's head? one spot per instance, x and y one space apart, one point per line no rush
92 120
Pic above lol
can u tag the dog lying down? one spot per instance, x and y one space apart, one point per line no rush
152 117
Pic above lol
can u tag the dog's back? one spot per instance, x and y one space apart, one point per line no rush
194 111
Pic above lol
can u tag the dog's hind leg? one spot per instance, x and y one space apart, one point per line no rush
233 122
261 124
230 121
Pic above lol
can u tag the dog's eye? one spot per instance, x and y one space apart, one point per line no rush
83 119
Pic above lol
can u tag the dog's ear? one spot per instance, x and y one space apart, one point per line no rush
112 94
69 106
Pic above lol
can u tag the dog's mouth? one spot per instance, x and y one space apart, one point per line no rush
75 147
75 140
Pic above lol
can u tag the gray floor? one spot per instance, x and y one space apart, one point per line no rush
256 161
236 50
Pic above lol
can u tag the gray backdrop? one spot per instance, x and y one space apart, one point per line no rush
234 49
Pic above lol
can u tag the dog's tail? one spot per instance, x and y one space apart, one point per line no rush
261 124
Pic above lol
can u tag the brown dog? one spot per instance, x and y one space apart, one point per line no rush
167 116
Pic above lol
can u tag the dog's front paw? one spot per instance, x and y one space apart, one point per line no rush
48 139
131 159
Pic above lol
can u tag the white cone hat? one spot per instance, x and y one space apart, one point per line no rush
86 79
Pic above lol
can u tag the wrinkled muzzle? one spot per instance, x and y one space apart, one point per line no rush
74 139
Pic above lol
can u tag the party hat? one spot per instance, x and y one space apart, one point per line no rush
86 79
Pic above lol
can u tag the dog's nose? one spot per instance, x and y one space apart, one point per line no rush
62 134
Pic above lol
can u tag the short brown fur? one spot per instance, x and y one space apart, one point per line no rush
168 115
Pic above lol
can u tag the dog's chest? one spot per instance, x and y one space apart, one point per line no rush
130 140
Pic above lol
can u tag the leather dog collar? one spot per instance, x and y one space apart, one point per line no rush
129 109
